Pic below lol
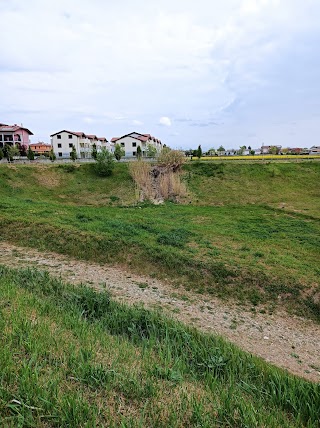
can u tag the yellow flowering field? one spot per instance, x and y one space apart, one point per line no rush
258 157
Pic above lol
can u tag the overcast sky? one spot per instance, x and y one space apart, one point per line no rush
209 72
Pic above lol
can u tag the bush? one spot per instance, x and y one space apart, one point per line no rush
73 154
30 154
171 158
52 155
104 163
119 152
68 168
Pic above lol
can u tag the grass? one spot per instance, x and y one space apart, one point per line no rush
254 253
73 357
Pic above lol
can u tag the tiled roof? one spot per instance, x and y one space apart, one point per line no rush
137 136
78 134
13 128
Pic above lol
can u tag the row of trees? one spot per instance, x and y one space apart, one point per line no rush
213 152
9 152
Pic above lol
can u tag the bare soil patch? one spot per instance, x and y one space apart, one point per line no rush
289 342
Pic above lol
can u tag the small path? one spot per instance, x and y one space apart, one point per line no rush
287 341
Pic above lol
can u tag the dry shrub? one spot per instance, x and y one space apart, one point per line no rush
140 172
173 159
171 186
157 183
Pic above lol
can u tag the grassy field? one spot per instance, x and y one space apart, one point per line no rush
246 232
73 357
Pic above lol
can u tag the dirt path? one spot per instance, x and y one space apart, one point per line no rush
289 342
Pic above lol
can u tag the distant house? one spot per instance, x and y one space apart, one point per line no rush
63 141
314 150
265 150
40 148
14 135
130 143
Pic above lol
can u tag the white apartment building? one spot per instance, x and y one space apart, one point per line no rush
130 143
63 141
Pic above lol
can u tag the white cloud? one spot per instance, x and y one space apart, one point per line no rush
165 121
137 122
78 61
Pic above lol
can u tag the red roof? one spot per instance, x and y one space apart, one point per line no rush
140 137
13 128
78 134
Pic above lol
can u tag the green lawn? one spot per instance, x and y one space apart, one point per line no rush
225 242
72 357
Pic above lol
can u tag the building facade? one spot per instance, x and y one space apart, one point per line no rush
40 148
131 142
14 135
63 141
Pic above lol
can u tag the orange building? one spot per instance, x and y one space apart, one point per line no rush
40 148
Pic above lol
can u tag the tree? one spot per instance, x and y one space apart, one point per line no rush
119 152
151 151
199 152
252 152
22 149
274 150
94 151
10 151
30 154
221 149
73 153
1 154
241 150
52 155
104 163
139 152
211 152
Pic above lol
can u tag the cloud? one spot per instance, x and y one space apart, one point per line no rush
165 121
243 63
137 122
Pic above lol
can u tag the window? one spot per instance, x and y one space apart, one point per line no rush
134 153
59 145
122 144
134 144
70 145
59 137
69 136
60 155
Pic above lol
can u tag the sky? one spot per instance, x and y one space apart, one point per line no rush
231 73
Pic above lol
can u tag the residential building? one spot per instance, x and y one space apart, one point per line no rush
265 150
314 150
130 143
40 148
63 141
14 135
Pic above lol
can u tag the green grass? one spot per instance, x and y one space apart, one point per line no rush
255 253
293 187
71 356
